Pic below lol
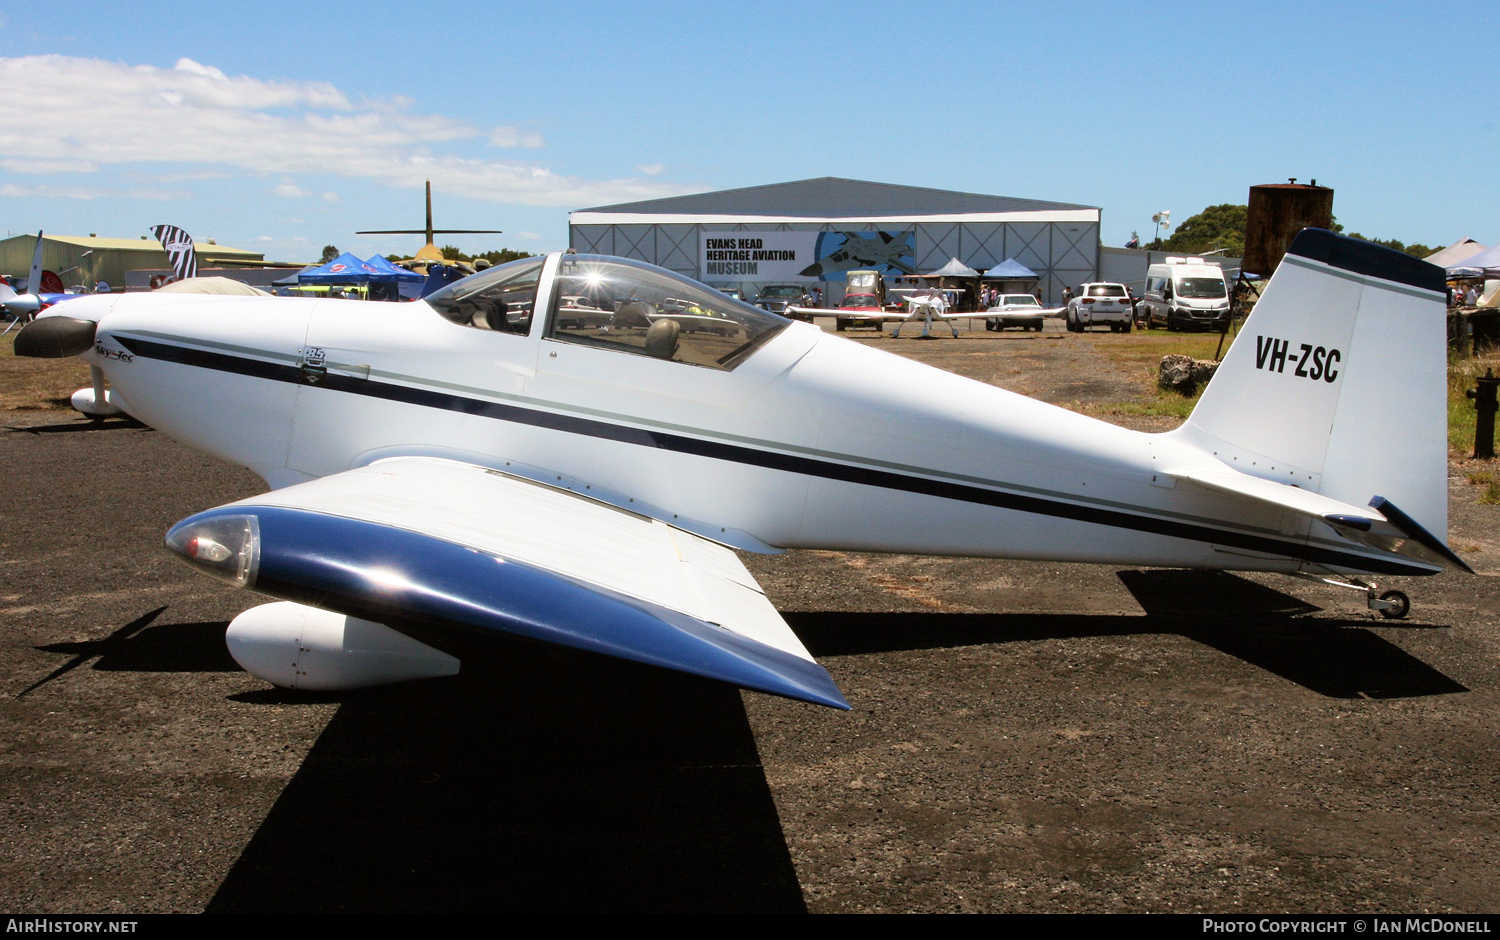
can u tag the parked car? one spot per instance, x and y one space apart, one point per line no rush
1185 294
1098 303
778 298
1022 310
864 302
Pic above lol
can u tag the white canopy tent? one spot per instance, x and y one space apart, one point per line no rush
1458 251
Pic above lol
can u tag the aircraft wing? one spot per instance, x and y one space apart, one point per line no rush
811 311
434 543
1381 525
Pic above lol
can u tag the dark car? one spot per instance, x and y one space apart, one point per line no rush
780 298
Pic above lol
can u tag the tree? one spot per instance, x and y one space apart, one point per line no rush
329 253
1414 249
1216 227
493 257
504 255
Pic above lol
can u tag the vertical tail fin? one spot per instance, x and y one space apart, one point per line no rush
1337 382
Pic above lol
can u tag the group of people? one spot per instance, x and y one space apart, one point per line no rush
1458 296
990 294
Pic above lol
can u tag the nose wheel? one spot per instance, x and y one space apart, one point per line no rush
1392 605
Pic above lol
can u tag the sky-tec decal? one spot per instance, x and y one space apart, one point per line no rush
1308 361
118 355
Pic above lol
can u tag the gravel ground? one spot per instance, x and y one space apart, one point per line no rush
1025 736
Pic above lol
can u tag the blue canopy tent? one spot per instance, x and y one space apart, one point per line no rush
1010 270
385 269
345 269
381 279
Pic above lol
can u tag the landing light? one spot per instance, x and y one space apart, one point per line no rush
224 547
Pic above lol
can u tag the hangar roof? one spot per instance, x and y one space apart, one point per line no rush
832 197
142 244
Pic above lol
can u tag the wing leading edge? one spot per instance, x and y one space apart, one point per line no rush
431 542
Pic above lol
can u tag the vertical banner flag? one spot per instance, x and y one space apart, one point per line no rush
179 247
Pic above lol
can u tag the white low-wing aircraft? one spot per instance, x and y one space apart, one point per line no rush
478 462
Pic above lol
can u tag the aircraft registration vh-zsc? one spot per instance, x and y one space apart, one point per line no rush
568 448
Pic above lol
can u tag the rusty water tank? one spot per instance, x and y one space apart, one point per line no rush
1277 212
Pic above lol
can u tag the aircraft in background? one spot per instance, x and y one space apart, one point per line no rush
429 253
24 306
486 462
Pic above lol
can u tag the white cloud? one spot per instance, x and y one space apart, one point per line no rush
527 236
650 169
109 113
49 166
515 137
290 190
264 238
330 197
86 193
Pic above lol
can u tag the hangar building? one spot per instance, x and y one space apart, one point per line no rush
88 259
785 232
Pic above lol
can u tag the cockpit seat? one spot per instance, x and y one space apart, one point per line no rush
633 314
490 315
661 339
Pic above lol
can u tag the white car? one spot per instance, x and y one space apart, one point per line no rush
1022 310
1098 303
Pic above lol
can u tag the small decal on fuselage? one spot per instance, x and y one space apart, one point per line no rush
119 355
1307 361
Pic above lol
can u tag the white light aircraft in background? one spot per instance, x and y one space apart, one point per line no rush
476 462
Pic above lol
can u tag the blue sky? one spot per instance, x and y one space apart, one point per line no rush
284 127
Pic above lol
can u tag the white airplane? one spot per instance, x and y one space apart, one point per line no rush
474 462
24 306
932 303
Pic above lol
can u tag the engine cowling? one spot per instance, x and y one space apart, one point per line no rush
300 647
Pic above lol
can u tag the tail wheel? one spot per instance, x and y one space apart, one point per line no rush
1402 608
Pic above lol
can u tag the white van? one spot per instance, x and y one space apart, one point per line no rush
1185 294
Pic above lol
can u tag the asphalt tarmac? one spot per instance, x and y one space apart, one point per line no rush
1024 737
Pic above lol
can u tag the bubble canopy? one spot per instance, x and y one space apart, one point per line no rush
624 305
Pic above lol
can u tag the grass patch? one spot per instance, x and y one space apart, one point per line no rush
1139 354
1461 412
1491 495
1141 350
37 384
1164 404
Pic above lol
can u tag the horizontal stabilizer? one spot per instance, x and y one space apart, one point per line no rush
1380 526
1282 495
1403 535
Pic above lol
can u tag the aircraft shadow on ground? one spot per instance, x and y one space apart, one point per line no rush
107 424
1339 658
139 647
548 781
